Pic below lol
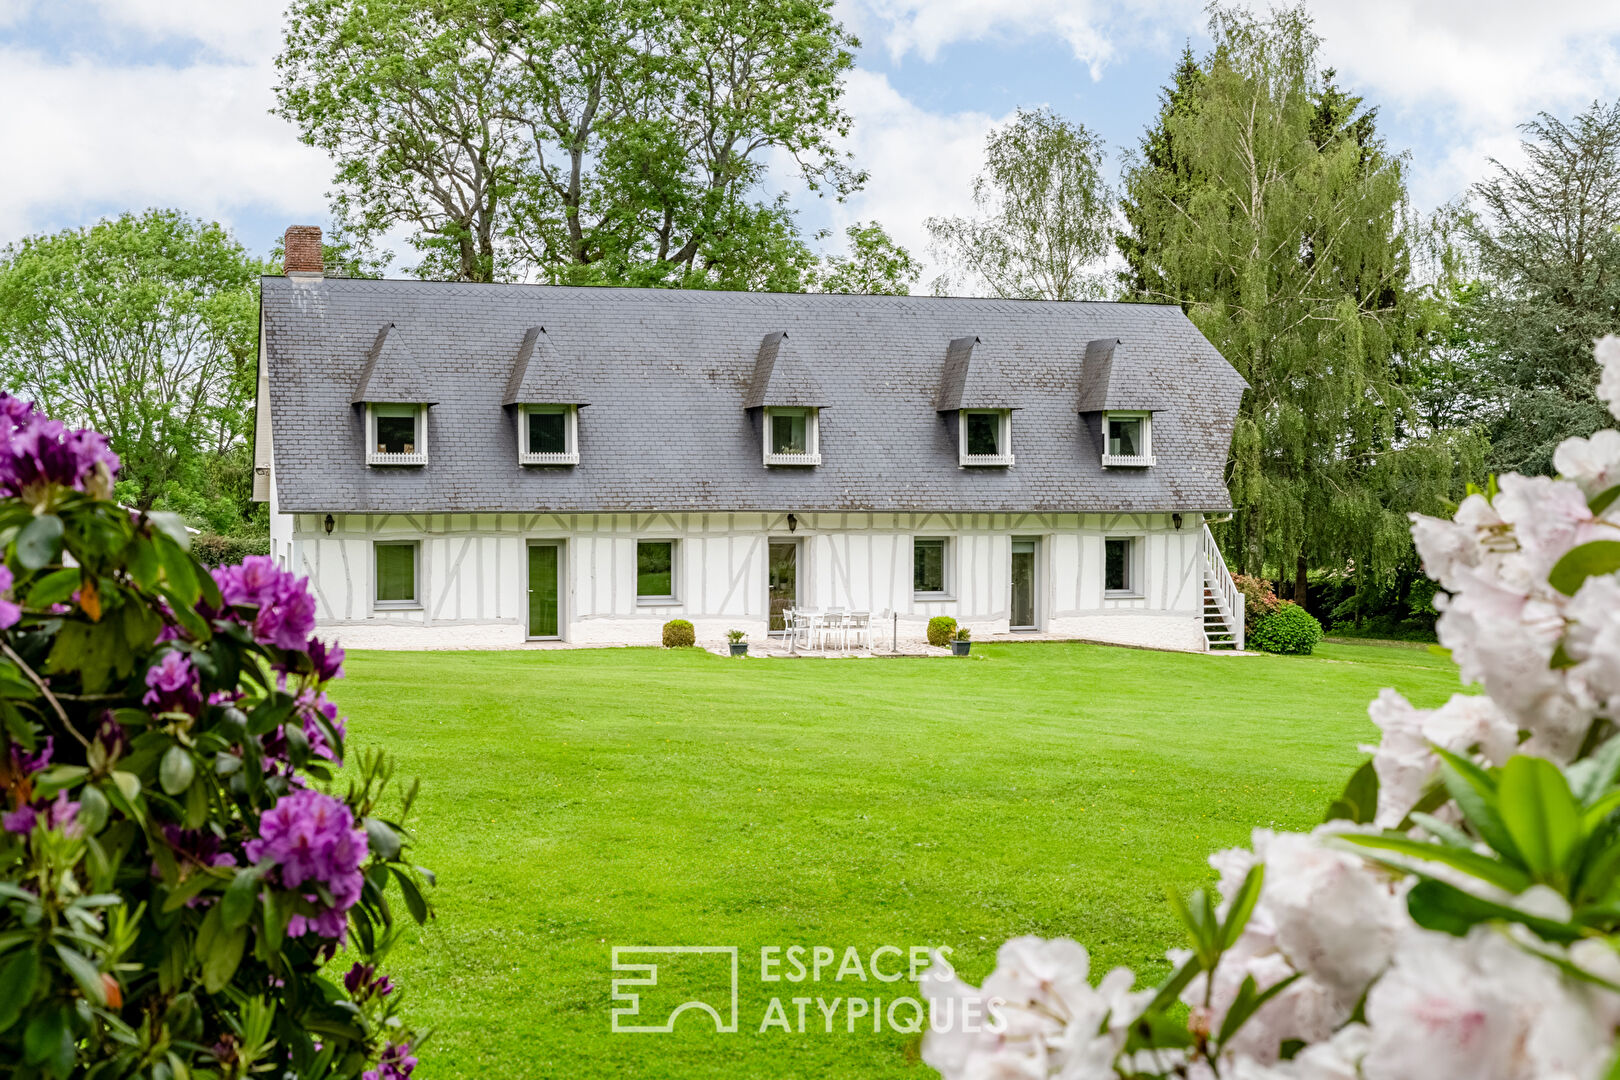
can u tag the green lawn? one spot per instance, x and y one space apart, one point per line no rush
574 801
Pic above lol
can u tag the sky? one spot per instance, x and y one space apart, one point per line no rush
108 105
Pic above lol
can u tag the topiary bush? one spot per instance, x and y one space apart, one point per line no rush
176 873
941 629
212 549
1289 629
679 634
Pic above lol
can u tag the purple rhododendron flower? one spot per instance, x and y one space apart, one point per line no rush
312 837
20 822
64 815
10 611
328 659
310 703
172 684
396 1063
38 451
286 610
362 982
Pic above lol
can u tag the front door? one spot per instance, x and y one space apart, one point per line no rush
784 581
545 562
1023 585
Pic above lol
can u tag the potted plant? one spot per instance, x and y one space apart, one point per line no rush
739 647
962 641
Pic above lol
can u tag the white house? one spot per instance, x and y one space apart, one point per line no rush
459 465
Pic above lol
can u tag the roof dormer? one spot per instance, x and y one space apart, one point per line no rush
396 399
1117 400
974 387
788 395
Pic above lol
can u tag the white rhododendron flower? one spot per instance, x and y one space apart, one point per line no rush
1608 358
1037 1015
1361 991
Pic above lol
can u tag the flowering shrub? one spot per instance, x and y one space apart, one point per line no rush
1288 629
679 634
941 631
1457 915
173 877
1258 599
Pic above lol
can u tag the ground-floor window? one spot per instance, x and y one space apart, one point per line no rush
1120 571
395 573
655 570
929 569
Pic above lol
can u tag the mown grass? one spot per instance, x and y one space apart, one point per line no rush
575 801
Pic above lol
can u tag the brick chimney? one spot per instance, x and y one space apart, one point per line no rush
303 251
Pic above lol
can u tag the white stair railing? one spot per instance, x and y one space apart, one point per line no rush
1219 581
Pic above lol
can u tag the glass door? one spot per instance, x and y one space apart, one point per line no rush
544 588
1023 585
784 581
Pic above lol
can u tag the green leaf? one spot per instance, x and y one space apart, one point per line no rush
1603 500
177 770
1578 563
1359 803
413 896
1248 1002
1593 775
39 542
172 525
85 973
46 1041
1498 873
1242 906
1475 794
1446 832
190 886
381 840
1541 815
239 896
54 588
1436 905
219 949
17 979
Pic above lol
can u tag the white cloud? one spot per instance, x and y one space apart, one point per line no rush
921 163
88 136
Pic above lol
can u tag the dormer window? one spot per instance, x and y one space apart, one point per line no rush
396 434
548 435
792 437
1128 439
985 437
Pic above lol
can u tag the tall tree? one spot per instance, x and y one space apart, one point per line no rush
144 327
1548 239
1044 214
615 141
875 264
1264 203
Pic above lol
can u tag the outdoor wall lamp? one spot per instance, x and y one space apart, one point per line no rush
1175 519
793 523
330 524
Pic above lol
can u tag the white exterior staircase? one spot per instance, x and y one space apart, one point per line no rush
1223 604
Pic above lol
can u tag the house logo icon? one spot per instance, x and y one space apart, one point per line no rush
642 964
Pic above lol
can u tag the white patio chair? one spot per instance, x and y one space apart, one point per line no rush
857 629
832 629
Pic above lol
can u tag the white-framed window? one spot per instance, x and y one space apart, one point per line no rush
931 567
656 571
548 435
792 436
1122 566
985 437
394 572
396 434
1127 439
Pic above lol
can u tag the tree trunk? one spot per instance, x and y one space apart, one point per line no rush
1300 571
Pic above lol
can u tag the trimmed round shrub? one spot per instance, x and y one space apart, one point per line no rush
213 550
1289 629
941 629
678 634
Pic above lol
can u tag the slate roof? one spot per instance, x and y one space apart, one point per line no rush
782 376
668 372
540 376
392 374
972 379
1121 375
